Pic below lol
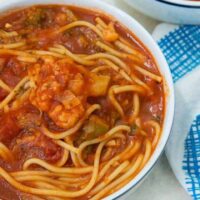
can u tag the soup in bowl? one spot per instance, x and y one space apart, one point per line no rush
86 102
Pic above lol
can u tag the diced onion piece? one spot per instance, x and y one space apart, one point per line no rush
99 85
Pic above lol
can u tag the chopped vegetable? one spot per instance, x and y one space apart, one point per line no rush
70 15
94 127
61 18
8 25
134 129
35 18
113 143
99 85
114 117
157 118
88 150
2 64
109 34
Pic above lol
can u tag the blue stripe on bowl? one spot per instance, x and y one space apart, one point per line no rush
179 5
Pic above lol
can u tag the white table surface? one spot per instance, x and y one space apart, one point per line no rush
161 184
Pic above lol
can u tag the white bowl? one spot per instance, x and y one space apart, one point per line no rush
145 37
174 11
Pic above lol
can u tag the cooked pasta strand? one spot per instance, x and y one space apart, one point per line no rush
66 146
129 88
27 59
42 173
149 74
19 101
43 53
100 27
63 159
113 100
80 23
5 34
5 86
40 178
14 52
136 108
111 50
101 22
100 68
147 153
52 168
130 50
157 129
110 57
134 149
117 69
111 177
71 131
12 45
120 89
13 92
40 184
139 82
101 139
5 153
122 178
71 55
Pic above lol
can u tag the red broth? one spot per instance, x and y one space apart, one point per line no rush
20 127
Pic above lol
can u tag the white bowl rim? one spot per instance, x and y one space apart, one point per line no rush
182 3
149 43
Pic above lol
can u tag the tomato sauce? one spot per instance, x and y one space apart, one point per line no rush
35 25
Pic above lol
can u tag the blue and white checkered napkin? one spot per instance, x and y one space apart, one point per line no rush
181 47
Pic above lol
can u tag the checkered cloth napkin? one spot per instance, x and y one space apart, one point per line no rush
181 47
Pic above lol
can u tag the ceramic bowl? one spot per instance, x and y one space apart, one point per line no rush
174 11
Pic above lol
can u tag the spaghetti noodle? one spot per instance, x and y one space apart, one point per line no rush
80 112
